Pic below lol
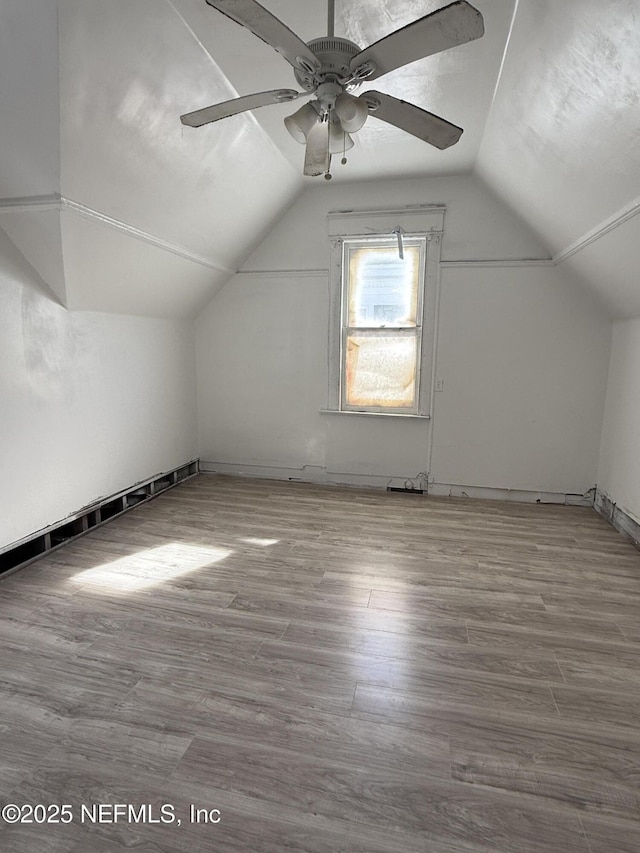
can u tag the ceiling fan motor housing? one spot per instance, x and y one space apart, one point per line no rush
334 55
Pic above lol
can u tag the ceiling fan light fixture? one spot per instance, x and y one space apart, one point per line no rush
351 111
339 139
300 123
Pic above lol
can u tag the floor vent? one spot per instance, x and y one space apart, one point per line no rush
32 547
406 491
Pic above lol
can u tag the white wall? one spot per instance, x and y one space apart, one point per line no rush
89 403
523 351
619 469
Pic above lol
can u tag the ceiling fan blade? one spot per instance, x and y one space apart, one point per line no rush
452 25
316 156
270 29
239 105
426 126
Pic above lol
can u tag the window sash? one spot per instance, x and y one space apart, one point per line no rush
373 273
395 335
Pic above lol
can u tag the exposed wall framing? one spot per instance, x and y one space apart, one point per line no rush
30 548
618 517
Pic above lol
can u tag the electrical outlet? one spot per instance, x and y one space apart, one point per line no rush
439 384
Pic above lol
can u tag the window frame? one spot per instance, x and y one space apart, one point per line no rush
363 242
426 222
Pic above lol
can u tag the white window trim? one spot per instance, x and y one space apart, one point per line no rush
427 221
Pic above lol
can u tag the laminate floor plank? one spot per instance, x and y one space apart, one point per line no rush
356 617
548 634
538 577
376 574
414 707
65 676
336 738
623 606
336 670
191 687
547 782
432 577
608 836
151 656
616 668
631 632
466 606
618 707
104 615
598 751
385 799
430 654
457 597
414 674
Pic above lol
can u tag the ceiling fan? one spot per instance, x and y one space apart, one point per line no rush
332 68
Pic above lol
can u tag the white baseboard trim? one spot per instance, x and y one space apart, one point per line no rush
617 516
320 475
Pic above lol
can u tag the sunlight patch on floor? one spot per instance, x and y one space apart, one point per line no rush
150 567
256 540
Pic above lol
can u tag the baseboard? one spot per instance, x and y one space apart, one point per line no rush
19 554
309 474
320 475
617 516
516 495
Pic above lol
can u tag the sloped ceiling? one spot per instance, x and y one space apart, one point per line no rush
562 140
120 208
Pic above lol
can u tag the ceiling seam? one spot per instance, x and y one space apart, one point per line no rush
248 115
499 75
200 44
504 57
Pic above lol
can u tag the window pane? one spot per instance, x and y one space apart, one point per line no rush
383 289
380 369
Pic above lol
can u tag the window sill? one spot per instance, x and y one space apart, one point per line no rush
402 415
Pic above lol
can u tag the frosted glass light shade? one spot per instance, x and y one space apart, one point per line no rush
339 141
300 123
351 111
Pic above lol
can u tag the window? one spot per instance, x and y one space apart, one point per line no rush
381 324
383 316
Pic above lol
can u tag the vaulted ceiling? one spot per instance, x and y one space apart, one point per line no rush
120 208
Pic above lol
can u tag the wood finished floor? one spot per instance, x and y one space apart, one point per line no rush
334 670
